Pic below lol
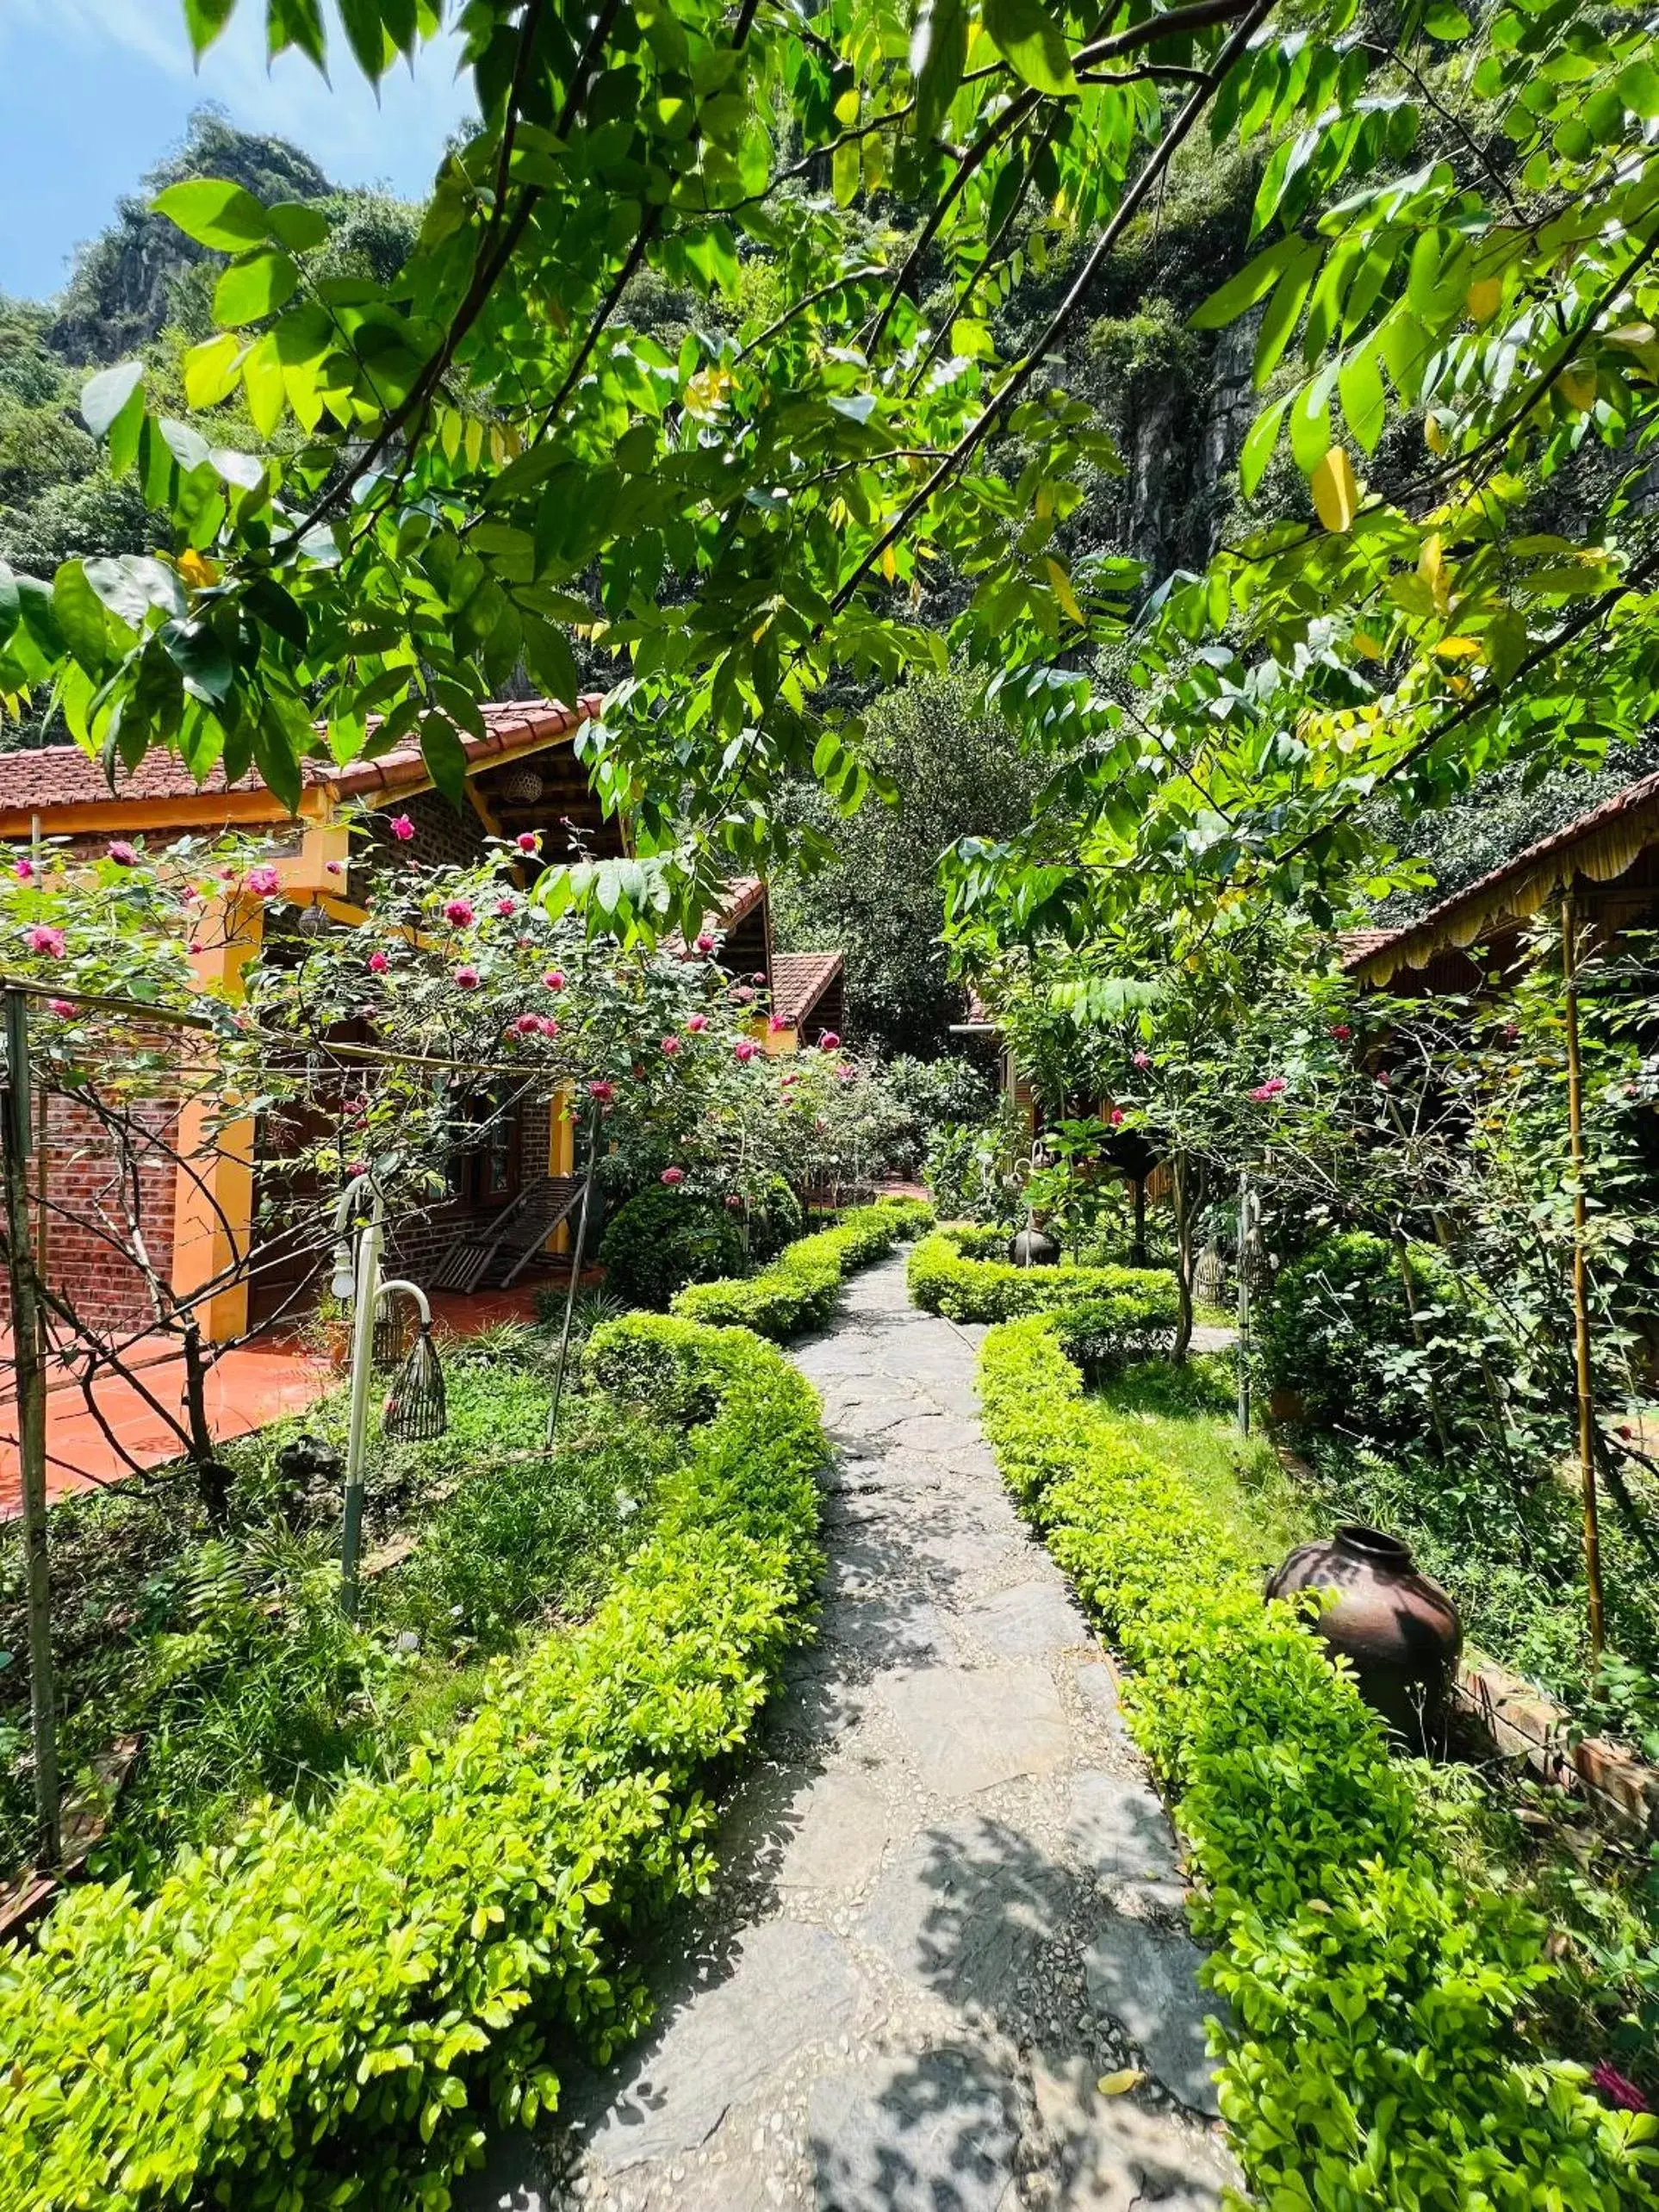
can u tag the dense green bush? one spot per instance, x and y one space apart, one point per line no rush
799 1290
661 1240
947 1277
391 1970
774 1219
1378 2050
1340 1331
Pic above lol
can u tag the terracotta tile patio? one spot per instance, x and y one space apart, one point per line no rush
256 1383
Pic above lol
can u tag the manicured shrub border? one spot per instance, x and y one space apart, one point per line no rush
321 2011
1379 2053
947 1277
799 1290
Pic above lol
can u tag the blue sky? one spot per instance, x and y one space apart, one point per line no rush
93 92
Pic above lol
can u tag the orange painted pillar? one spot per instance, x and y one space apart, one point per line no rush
562 1156
213 1204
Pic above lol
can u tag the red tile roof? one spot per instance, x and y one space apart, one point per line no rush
49 778
799 980
1600 844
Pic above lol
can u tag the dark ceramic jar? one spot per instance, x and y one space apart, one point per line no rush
1034 1247
1398 1629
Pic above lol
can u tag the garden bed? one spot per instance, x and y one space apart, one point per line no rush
954 1272
1386 2001
343 1995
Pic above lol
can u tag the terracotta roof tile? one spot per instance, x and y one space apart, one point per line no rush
799 980
47 777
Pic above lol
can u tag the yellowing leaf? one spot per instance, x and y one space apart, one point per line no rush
197 571
1366 646
1431 568
1458 648
705 391
1484 298
1336 495
1577 387
1121 2083
889 562
1062 591
1434 432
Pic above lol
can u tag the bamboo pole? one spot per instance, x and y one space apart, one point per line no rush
26 1333
1245 1204
1582 1286
576 1258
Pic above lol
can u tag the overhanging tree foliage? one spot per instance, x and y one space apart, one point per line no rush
495 459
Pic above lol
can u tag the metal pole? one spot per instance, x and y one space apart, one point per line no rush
25 1335
1581 1287
363 1360
1244 1203
575 1275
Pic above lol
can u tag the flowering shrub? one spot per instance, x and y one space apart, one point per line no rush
1377 2051
391 1971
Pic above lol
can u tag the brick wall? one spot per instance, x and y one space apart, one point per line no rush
86 1262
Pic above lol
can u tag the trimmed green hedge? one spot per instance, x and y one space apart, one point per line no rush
661 1240
386 1971
799 1290
1378 2054
947 1279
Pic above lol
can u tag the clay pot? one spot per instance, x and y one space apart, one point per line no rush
1034 1247
1398 1628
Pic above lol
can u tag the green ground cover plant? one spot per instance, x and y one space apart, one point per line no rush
950 1275
323 2008
1381 2045
799 1290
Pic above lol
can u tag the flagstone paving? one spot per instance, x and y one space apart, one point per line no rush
949 1902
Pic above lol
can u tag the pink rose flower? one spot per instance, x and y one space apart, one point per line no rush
845 1074
528 1025
670 1047
123 854
401 827
1142 1060
356 1108
66 1010
1618 2088
697 1023
457 911
743 995
527 841
467 978
705 943
1118 1117
549 1027
1341 1032
1264 1093
355 1168
604 1092
24 870
672 1177
226 875
759 976
378 963
44 940
333 867
263 881
743 1049
775 1023
829 1042
505 906
1383 1079
734 1203
554 979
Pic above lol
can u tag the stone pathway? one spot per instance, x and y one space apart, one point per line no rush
949 1901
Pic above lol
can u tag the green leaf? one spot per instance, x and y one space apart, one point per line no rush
1310 422
249 290
844 173
938 56
205 19
104 397
296 23
1032 42
549 660
210 369
1284 308
1253 283
80 617
1359 385
10 604
1445 21
298 224
444 755
1638 87
365 33
214 213
1259 442
198 653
